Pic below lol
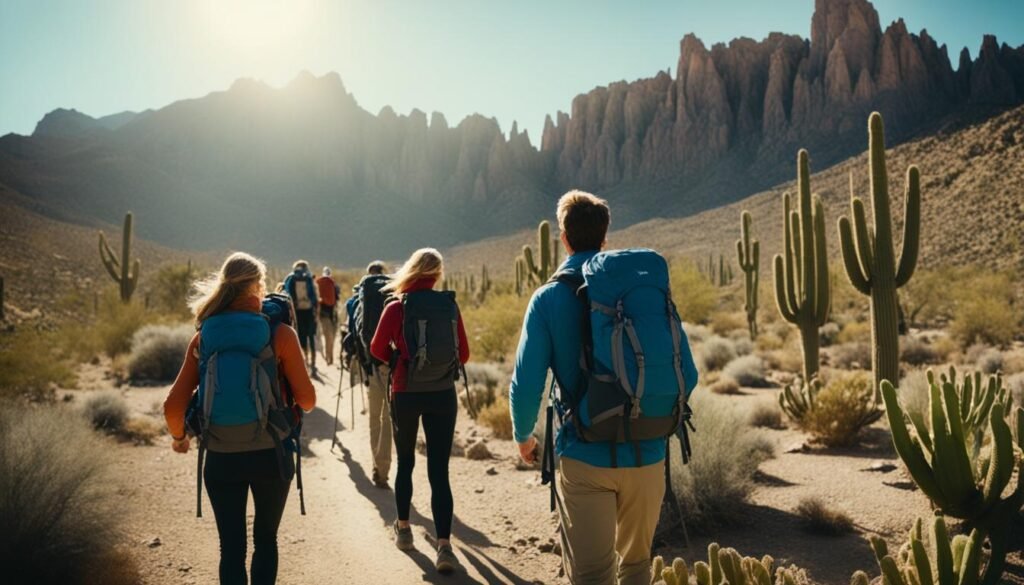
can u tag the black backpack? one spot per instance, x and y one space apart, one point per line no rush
368 310
431 331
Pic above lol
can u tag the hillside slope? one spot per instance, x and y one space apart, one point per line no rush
972 181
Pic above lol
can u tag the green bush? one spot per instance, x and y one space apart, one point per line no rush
171 286
493 326
748 371
719 478
851 356
158 352
987 360
117 323
694 296
58 508
497 417
843 408
985 310
106 411
32 363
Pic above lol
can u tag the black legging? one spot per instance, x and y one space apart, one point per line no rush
229 478
305 324
438 411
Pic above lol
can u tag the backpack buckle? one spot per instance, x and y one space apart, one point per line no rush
634 410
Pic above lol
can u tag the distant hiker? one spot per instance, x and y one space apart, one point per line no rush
302 289
328 292
364 309
423 339
612 439
243 456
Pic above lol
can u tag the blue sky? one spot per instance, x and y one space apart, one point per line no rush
512 60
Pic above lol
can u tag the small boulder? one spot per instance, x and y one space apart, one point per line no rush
478 451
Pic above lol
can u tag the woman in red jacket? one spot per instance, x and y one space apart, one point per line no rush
423 387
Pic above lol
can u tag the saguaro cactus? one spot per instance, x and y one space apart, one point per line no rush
118 268
748 254
541 268
801 272
870 258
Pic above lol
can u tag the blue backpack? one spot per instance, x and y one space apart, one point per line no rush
632 386
242 404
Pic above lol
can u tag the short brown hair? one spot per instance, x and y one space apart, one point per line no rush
376 267
584 219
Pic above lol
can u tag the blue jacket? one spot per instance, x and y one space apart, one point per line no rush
290 281
551 339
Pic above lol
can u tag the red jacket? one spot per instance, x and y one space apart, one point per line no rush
389 336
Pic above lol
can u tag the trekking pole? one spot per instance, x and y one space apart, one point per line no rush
469 398
362 395
353 398
337 408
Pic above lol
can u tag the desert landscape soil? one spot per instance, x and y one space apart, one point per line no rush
503 531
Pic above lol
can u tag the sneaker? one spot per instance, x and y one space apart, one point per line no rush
403 537
446 561
379 481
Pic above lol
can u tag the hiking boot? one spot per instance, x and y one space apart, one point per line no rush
446 561
380 481
403 537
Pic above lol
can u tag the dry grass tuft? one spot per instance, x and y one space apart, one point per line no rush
818 518
725 386
765 414
498 418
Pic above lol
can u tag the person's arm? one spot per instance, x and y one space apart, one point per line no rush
689 368
463 342
293 366
388 329
178 397
533 358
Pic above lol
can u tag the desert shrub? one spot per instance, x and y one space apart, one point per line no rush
851 356
719 479
158 351
917 352
497 417
725 322
843 408
58 507
487 374
32 363
769 342
171 286
985 312
748 371
106 411
929 297
715 352
493 326
854 331
945 346
743 346
694 296
117 323
696 333
765 414
819 518
828 333
786 359
724 385
1015 383
915 395
988 360
141 430
481 396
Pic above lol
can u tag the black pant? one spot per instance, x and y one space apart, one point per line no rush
229 478
305 324
438 411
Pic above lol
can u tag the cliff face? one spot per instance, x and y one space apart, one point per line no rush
219 171
761 100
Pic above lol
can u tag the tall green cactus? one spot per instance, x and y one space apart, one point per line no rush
870 258
748 254
118 268
801 272
520 275
541 268
939 463
939 562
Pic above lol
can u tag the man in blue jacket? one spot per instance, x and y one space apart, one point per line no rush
302 289
608 510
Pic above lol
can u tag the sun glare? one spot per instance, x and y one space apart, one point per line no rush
252 25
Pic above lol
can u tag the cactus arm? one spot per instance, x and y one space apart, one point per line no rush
109 260
922 566
133 279
908 449
911 228
702 573
806 243
782 296
950 462
796 281
943 553
853 268
714 559
823 295
1000 469
970 564
890 572
879 182
865 239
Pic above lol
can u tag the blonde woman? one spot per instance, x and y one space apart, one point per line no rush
241 456
422 338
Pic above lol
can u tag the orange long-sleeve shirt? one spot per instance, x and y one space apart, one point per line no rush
289 361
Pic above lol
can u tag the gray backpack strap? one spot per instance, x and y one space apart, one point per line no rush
675 325
421 340
624 330
210 389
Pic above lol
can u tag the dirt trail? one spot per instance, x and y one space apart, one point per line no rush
345 536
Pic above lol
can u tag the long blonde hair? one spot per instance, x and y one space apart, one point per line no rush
424 263
237 276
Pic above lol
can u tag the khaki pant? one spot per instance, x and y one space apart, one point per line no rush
380 421
608 518
328 328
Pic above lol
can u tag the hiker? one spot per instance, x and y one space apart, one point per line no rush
364 309
328 292
242 456
422 338
609 490
302 290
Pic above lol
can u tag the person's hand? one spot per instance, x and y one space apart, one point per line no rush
528 450
180 446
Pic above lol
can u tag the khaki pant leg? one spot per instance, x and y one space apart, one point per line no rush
640 494
328 327
380 421
587 511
